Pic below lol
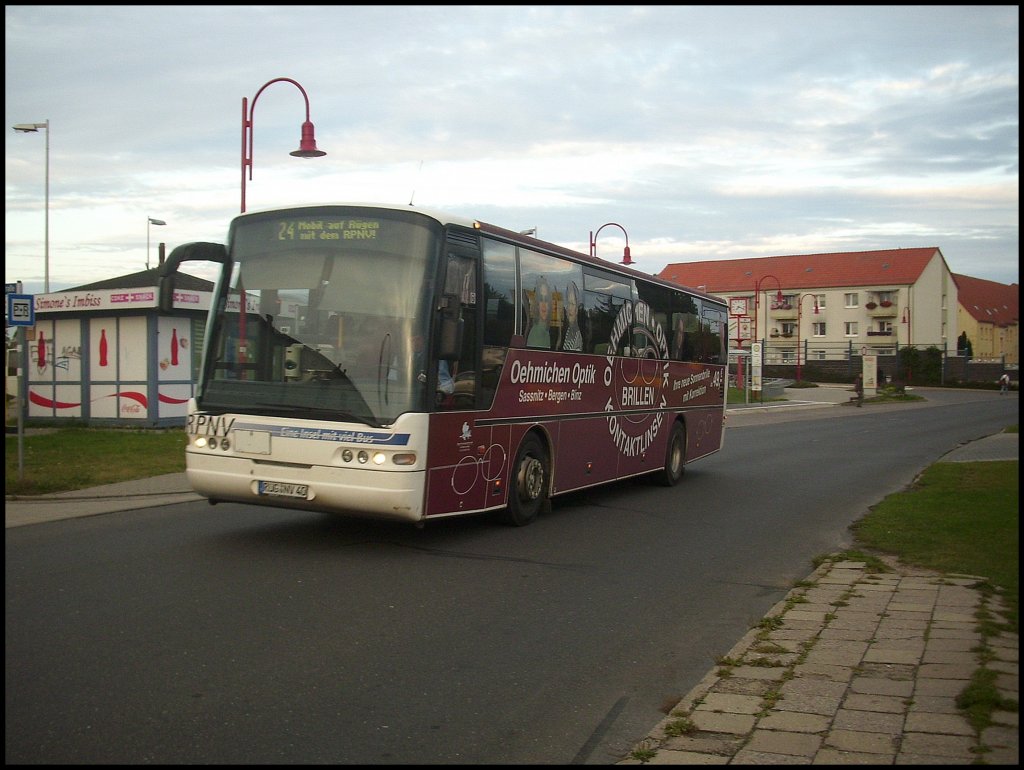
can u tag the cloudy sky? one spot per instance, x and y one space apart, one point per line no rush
707 133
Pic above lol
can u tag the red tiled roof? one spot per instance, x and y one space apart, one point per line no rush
889 267
988 301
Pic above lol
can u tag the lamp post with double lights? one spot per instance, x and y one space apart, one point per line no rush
27 128
799 313
626 259
307 143
151 221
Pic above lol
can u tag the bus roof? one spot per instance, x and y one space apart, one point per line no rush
447 218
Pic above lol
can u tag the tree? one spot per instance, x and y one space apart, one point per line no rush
964 346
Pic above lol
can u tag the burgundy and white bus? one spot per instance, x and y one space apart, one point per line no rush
396 363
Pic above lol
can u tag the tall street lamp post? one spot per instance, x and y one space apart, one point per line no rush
799 312
910 346
32 128
151 221
307 143
626 260
757 300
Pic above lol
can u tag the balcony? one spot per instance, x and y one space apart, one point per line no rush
881 309
880 334
782 312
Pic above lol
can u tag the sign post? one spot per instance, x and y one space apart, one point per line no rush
21 312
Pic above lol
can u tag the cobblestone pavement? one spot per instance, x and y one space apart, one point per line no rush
854 666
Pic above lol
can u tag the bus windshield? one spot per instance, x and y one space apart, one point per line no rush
325 314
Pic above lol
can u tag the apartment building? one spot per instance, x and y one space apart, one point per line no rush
989 314
833 306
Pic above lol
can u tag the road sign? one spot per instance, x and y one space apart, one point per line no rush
21 310
12 288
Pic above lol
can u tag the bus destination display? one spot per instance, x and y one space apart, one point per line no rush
343 229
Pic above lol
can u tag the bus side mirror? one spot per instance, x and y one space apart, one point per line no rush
188 252
165 293
450 342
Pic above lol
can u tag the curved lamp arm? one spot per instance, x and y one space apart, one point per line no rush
307 142
626 259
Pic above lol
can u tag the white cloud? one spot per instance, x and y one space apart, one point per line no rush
707 132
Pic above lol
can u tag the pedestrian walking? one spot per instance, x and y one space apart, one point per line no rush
1004 383
858 388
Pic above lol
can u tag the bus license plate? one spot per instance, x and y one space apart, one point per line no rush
279 489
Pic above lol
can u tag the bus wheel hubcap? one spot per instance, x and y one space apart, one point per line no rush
531 479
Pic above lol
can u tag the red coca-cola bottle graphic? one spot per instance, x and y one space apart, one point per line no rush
174 347
41 351
103 347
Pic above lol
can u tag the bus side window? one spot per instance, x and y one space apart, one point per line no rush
597 309
573 327
540 332
499 309
684 337
499 267
460 287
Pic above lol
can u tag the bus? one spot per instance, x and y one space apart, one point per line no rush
404 364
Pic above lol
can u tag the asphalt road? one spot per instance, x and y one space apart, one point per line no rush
236 634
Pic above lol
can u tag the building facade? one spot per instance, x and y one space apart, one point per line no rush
989 316
833 307
103 354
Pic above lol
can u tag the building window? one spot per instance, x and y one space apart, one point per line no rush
818 328
820 299
850 298
788 329
885 327
851 328
885 296
788 356
818 355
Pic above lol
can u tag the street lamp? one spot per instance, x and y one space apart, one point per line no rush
307 143
32 128
910 352
626 260
757 300
151 221
799 312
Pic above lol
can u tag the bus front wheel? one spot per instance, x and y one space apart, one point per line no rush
531 476
675 457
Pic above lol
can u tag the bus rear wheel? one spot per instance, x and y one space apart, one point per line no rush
531 474
675 457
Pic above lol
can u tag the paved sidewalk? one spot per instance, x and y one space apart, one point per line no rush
852 667
108 498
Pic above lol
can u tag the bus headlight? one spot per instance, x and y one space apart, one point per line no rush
379 458
200 442
363 457
404 458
